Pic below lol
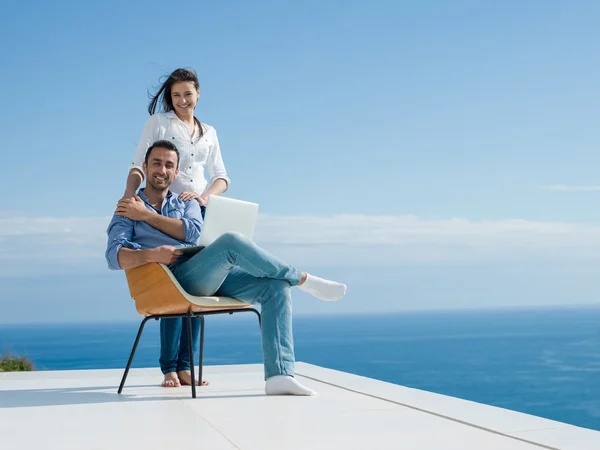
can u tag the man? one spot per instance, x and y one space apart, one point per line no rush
148 228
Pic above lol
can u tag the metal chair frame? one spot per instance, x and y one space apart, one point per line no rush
189 316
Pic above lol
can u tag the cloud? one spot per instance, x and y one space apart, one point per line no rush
73 243
565 188
51 238
410 230
386 240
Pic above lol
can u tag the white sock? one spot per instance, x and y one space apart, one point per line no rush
323 289
286 385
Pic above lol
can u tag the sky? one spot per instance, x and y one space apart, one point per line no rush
431 154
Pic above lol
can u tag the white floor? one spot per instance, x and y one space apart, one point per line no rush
81 410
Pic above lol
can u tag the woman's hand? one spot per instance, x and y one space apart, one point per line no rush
187 196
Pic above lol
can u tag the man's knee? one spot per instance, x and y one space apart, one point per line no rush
231 238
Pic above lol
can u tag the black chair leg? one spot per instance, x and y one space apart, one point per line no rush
188 318
137 340
259 318
201 356
191 350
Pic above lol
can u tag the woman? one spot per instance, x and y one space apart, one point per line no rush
199 150
197 143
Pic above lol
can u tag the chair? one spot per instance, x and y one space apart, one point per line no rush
158 295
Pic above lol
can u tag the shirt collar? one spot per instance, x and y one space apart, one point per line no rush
173 115
168 199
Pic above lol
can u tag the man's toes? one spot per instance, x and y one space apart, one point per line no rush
171 380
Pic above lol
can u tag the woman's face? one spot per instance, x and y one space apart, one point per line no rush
184 96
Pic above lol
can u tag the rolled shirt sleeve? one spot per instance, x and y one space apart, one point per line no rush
120 233
215 168
149 137
192 222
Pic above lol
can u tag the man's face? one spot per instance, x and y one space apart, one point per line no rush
161 169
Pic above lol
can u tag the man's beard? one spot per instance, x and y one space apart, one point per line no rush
160 187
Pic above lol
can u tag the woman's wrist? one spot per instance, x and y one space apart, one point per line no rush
202 199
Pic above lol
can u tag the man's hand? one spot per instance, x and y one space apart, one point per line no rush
165 254
133 208
186 196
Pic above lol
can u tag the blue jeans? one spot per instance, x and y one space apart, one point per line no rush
233 266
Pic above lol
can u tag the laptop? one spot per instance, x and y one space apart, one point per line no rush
223 215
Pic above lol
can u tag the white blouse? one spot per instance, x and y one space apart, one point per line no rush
195 153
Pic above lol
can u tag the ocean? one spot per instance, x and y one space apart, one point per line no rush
544 362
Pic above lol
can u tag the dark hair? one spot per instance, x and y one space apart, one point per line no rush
162 144
163 95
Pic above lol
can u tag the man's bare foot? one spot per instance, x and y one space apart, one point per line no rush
171 380
185 376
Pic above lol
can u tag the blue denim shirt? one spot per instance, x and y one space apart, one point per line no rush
138 235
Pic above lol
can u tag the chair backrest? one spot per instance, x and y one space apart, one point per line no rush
154 292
